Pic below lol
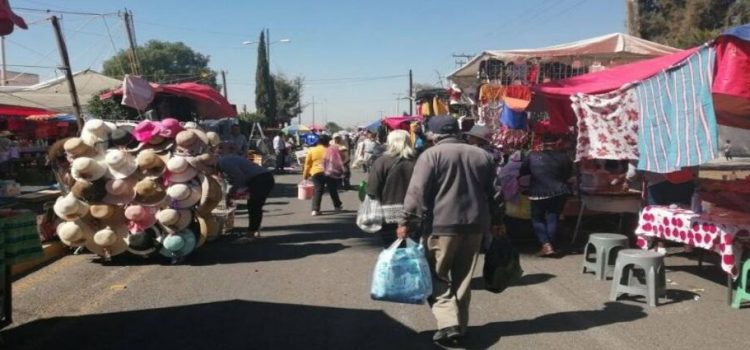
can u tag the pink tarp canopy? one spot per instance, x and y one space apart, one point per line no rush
400 122
209 103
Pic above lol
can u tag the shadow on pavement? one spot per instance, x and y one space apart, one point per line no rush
225 252
477 283
233 324
484 337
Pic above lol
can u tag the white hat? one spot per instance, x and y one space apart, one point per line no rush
88 169
69 208
96 132
74 233
184 196
180 170
119 191
108 242
174 220
120 163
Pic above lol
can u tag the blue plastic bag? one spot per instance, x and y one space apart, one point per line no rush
402 275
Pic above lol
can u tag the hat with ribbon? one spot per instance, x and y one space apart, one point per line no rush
108 242
180 169
149 192
75 147
120 163
88 169
179 244
140 217
191 142
74 233
184 196
119 191
150 163
143 243
70 208
174 220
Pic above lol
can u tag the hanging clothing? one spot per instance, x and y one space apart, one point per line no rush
514 120
489 93
439 107
678 124
607 125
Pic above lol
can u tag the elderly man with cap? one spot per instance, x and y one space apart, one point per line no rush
452 198
242 173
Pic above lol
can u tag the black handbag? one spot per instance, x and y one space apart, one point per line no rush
502 265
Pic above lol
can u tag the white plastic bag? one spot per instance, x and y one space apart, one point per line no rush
370 215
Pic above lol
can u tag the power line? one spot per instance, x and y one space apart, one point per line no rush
66 12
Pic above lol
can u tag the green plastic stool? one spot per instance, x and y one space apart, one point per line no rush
742 293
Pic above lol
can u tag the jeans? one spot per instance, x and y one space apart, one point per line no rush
321 182
545 213
259 187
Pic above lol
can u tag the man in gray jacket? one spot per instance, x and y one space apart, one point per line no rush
451 202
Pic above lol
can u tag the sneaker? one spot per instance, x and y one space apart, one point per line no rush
338 209
315 213
447 335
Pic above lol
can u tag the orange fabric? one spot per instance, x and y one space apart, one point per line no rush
491 93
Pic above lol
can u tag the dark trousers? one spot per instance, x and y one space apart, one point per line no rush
280 160
259 187
545 214
321 182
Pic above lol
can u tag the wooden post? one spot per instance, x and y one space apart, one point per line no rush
68 72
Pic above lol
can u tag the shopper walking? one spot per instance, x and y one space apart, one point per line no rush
452 199
239 172
280 149
550 171
368 148
343 146
727 150
314 169
389 180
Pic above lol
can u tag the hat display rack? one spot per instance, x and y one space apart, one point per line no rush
141 190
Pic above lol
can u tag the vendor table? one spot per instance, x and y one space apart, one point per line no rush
614 202
724 235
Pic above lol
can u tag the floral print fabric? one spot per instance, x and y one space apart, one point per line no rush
607 125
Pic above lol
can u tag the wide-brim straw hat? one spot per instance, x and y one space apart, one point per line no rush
108 214
70 208
174 220
144 243
179 244
211 195
121 164
140 217
96 133
74 233
75 147
150 163
89 191
180 170
108 241
208 227
184 195
119 191
150 192
191 142
89 169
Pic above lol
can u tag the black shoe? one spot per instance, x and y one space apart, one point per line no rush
448 335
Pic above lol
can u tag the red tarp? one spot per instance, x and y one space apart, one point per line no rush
208 102
401 122
17 111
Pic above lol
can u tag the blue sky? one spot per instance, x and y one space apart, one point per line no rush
354 55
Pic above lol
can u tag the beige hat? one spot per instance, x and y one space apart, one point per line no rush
108 242
88 169
213 139
96 133
107 214
119 191
180 169
203 161
149 192
69 208
120 163
75 147
211 195
74 233
150 163
208 228
89 191
174 220
184 196
191 141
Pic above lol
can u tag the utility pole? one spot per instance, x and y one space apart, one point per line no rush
461 58
3 69
313 111
224 83
411 93
299 101
68 72
128 19
633 18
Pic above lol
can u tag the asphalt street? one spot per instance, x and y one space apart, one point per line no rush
305 285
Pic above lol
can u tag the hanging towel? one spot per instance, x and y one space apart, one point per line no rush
607 125
678 123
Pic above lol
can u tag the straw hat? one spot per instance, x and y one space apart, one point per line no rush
146 130
211 195
213 139
120 163
191 142
86 168
140 217
174 220
203 161
107 242
89 191
107 214
149 192
179 244
170 127
208 228
74 233
69 208
184 196
150 163
119 191
180 169
75 147
97 132
143 243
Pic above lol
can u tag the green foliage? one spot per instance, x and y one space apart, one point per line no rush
109 109
688 23
247 120
164 62
265 90
288 92
333 127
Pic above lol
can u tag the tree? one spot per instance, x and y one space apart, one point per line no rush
288 93
688 23
333 127
164 62
247 120
109 109
265 91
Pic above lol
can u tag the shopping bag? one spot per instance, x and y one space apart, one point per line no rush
370 215
362 190
402 275
332 165
502 266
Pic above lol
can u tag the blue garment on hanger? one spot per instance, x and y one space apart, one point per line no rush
514 120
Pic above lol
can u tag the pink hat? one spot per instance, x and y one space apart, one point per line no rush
146 130
170 127
140 217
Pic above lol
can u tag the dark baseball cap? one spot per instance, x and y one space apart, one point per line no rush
443 124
